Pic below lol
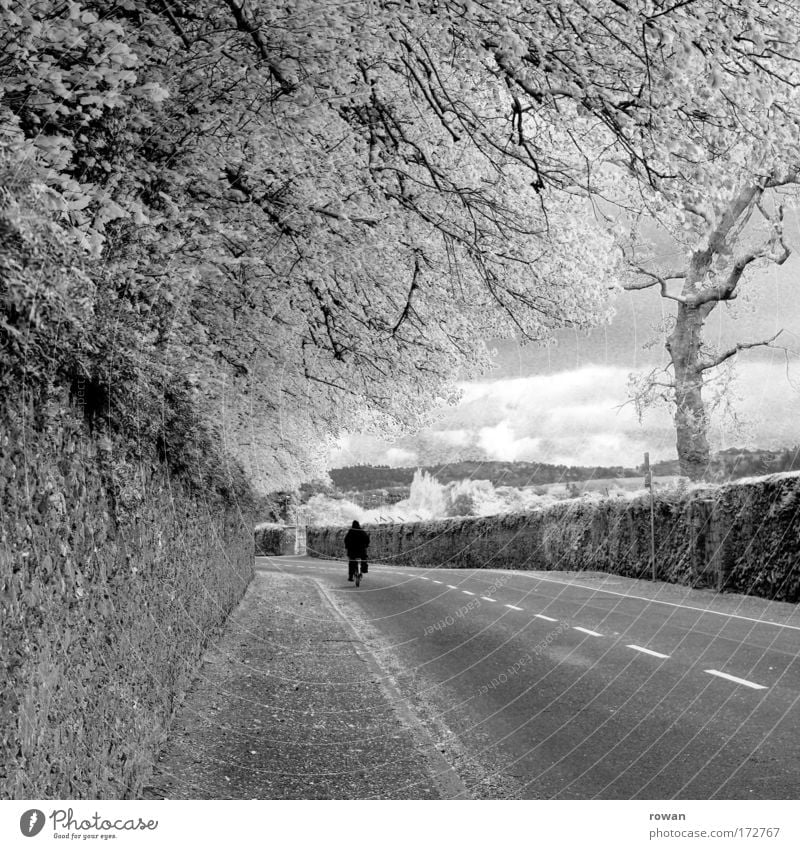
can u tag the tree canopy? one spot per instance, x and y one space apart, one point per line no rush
273 216
268 222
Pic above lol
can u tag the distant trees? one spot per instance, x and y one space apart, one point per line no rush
500 473
463 504
733 463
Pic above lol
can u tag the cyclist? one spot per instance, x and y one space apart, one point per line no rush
356 541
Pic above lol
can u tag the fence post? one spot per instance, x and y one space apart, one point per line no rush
648 482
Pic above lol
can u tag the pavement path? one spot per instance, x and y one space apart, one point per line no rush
582 685
288 704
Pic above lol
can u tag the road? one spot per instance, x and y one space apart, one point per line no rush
548 685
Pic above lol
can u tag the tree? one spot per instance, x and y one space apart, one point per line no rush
731 166
712 274
462 504
295 218
688 114
300 218
427 498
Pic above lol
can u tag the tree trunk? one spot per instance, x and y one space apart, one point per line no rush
691 422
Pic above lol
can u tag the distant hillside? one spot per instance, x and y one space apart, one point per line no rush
729 464
735 463
361 478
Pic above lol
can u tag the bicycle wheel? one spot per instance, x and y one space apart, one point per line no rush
358 577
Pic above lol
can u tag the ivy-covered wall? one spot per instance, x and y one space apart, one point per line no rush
273 539
113 576
742 537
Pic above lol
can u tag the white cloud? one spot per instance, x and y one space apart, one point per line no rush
400 457
579 418
501 443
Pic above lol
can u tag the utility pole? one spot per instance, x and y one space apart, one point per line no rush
648 482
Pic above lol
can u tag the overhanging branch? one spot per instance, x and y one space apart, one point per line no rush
656 280
739 346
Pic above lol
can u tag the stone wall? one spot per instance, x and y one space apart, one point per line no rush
113 576
742 537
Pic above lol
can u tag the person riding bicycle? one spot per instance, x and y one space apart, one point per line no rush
356 541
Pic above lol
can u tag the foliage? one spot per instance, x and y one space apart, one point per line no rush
254 225
427 498
688 114
740 538
733 463
112 580
499 472
320 510
704 171
463 504
259 219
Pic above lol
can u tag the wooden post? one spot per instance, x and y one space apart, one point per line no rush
648 482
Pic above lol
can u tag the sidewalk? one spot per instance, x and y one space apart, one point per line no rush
289 705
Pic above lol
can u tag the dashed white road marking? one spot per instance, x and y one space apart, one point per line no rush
735 679
513 607
467 592
424 579
546 618
587 631
648 651
437 582
451 587
486 598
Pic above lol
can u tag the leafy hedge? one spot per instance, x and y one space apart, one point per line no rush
742 538
272 539
113 575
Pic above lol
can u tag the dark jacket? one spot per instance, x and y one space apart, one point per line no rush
356 541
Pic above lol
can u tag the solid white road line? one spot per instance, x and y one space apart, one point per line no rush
659 601
467 592
546 618
486 598
648 651
735 679
513 607
587 631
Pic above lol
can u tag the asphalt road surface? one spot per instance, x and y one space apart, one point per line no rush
549 685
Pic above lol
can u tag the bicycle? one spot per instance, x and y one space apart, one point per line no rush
357 573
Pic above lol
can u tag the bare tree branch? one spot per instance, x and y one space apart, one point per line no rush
654 278
699 212
176 24
254 31
775 249
655 281
739 346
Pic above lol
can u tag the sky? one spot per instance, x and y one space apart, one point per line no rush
566 403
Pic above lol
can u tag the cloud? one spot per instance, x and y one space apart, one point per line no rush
400 457
573 417
501 443
578 417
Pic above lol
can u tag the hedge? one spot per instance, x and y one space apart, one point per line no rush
742 537
113 576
